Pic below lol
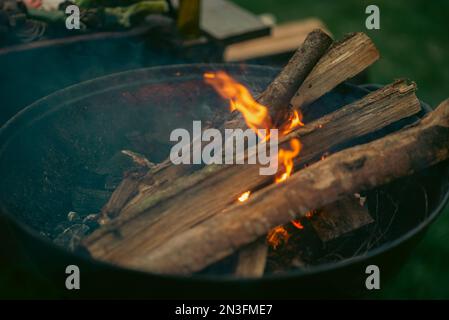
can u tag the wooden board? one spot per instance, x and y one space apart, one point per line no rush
284 38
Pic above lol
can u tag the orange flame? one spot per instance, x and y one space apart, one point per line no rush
286 158
294 120
256 115
244 196
277 236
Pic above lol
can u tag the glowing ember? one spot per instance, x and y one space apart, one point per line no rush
244 196
297 224
256 115
286 160
277 236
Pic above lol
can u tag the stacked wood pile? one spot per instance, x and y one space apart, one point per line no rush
176 219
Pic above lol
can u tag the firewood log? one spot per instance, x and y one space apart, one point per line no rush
278 94
355 169
344 60
158 216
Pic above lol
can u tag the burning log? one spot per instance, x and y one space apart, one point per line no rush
359 168
358 52
151 219
338 218
166 172
277 95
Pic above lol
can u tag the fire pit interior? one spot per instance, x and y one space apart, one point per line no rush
62 158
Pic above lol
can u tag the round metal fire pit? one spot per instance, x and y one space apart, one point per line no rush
60 145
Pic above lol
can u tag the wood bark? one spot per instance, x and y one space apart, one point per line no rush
355 169
151 219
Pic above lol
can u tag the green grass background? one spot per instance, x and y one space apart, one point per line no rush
414 43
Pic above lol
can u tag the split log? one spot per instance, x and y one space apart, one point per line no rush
359 168
150 221
344 60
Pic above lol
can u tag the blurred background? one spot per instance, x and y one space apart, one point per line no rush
413 41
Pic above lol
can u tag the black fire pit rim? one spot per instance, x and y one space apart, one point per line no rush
57 100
